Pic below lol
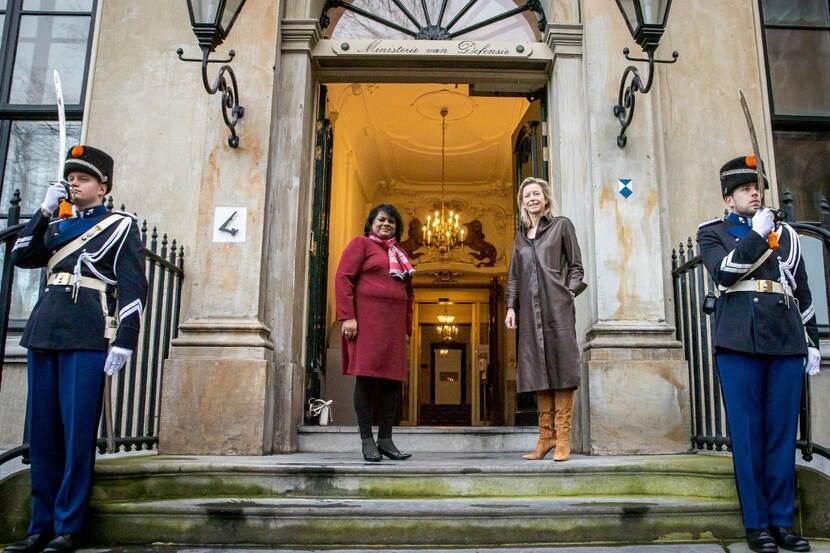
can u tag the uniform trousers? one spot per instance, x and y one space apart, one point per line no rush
762 395
65 393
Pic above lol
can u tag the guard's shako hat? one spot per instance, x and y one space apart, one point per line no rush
739 171
91 161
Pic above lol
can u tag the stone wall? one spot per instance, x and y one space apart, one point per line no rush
698 114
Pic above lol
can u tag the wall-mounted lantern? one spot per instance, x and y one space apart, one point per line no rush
212 21
646 20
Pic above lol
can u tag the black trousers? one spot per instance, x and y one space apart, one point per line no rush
380 393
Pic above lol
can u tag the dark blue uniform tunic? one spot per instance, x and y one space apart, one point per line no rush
760 344
65 336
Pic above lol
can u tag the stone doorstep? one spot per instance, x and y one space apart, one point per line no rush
424 463
817 547
418 439
420 522
441 430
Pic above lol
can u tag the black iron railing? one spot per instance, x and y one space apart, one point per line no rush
694 329
136 390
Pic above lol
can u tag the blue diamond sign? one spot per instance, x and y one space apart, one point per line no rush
625 187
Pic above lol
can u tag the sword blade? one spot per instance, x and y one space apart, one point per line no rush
108 413
61 124
756 150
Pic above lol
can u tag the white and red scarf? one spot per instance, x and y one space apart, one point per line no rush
399 265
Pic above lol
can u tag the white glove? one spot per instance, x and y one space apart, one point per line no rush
54 194
813 366
763 222
116 360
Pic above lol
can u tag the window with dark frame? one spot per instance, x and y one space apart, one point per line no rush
797 48
37 37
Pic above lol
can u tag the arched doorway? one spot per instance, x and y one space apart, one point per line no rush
391 62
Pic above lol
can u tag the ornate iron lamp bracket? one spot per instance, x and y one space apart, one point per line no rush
225 82
626 101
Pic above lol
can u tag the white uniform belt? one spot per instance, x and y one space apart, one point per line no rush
760 286
67 279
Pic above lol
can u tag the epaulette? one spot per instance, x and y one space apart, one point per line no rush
130 215
707 223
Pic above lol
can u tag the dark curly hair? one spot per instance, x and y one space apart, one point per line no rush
389 209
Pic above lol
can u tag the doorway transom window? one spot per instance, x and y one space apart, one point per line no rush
522 20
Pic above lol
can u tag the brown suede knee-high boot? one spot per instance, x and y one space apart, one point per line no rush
547 434
564 407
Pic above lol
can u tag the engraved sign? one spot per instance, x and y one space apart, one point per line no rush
229 224
431 48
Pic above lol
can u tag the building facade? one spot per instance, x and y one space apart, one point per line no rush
342 112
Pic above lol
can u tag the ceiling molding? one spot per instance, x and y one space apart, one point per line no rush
397 149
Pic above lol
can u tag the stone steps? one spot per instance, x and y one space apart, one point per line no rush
479 521
424 439
436 499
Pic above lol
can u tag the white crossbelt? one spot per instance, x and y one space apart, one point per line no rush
760 286
67 279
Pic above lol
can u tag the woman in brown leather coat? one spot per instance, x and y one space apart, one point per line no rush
544 278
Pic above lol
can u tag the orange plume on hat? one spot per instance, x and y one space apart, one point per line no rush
751 162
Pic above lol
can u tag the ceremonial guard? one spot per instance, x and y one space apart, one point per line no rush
765 337
84 326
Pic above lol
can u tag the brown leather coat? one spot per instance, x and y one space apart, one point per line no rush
545 275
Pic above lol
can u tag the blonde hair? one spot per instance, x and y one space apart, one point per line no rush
551 209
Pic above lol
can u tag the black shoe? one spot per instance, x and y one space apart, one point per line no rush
65 543
786 539
33 543
761 541
370 450
387 447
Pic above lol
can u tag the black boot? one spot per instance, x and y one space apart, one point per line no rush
65 543
761 541
786 539
370 450
34 543
387 447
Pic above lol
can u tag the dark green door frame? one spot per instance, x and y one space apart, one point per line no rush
315 365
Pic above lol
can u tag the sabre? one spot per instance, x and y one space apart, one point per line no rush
64 207
64 212
772 238
108 413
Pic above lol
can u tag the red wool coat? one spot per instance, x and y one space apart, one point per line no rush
364 290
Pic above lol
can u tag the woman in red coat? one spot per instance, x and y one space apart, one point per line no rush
373 288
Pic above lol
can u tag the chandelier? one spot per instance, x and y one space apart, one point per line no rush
446 329
443 230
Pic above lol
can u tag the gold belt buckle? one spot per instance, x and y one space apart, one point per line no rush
763 285
62 279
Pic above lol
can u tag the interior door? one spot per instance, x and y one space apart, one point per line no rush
530 159
319 252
